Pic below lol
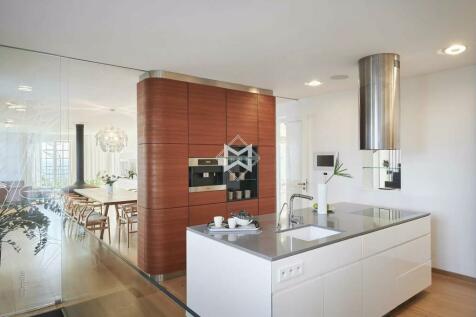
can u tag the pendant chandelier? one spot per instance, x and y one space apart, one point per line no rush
111 139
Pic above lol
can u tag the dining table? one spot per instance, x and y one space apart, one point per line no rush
116 197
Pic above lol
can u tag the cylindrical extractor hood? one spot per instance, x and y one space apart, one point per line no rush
379 102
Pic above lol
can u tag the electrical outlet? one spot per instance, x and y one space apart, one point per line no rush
283 274
290 271
298 269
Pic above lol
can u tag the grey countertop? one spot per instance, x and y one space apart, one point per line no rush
350 219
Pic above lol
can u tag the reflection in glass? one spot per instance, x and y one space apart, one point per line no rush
31 173
46 257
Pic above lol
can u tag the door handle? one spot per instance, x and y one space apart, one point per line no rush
304 185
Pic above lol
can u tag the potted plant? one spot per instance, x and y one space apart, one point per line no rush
109 181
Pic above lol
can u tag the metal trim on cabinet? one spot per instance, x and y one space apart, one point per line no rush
210 188
204 81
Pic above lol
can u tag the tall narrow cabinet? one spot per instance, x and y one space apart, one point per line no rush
182 119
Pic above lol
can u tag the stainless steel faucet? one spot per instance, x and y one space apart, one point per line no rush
291 217
291 210
278 224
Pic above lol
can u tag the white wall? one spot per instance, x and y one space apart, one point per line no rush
438 145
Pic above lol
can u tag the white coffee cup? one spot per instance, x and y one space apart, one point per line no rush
218 220
231 223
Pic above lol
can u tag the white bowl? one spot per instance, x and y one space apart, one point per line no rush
242 222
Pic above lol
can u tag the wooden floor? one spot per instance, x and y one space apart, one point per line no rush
448 296
77 268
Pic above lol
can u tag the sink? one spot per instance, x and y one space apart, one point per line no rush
310 233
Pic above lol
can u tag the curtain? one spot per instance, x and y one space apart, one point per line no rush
95 160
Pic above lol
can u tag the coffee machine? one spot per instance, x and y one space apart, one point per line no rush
206 174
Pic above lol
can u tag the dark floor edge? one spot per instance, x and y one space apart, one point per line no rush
456 275
168 293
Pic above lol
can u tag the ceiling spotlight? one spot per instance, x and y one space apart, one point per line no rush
14 106
313 83
454 49
339 77
25 88
11 105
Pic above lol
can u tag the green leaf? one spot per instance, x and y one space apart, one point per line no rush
339 170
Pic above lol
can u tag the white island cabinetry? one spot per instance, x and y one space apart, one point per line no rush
367 275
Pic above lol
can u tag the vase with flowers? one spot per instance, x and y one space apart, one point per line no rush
109 181
339 170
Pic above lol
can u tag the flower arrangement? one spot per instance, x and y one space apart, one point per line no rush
131 173
109 179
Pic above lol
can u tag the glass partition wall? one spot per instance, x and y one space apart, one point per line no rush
32 130
47 257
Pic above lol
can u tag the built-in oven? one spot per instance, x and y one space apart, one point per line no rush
206 174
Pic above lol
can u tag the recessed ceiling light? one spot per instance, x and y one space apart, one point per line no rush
313 83
339 77
25 88
14 106
11 105
8 123
454 49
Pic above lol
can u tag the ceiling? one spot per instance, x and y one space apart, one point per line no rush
65 92
277 45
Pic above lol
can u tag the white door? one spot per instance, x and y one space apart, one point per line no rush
292 161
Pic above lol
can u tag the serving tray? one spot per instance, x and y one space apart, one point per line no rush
249 228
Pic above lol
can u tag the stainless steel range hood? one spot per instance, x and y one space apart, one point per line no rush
379 102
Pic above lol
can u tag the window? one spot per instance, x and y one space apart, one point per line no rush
54 166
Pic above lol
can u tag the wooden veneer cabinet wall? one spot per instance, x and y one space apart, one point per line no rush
178 120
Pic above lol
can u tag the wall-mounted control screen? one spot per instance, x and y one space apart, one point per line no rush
323 161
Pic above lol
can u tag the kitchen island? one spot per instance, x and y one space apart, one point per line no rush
357 261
